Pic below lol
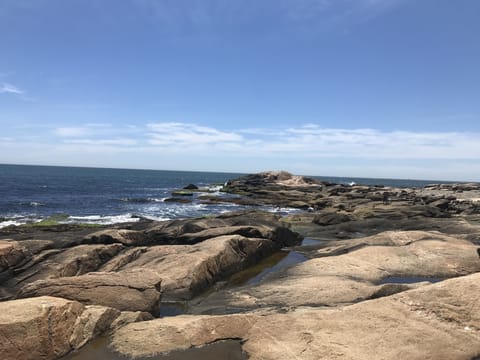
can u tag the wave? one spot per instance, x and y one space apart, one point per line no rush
19 220
11 222
142 200
102 219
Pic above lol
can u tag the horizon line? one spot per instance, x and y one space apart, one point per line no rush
242 173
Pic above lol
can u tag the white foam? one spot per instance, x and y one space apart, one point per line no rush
214 188
283 210
35 204
102 220
157 199
10 222
157 218
20 220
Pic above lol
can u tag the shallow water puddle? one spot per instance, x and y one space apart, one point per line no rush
272 264
224 349
408 280
172 309
310 241
291 259
242 277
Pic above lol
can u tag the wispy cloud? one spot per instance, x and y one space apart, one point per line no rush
184 134
175 15
309 141
313 141
6 88
108 142
71 131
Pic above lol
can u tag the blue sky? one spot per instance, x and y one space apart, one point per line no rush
371 88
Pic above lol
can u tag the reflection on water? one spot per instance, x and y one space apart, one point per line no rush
291 259
407 280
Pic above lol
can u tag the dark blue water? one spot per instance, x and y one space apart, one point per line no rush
99 195
31 193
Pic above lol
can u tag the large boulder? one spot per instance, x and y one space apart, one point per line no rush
56 263
246 223
187 270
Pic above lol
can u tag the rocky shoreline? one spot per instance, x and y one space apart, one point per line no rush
362 272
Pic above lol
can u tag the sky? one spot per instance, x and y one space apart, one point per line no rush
356 88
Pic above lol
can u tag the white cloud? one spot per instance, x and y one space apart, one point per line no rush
301 142
315 141
308 149
191 135
109 142
7 88
71 131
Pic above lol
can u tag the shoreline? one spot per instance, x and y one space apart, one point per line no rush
348 250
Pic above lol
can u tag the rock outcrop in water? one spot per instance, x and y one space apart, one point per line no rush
287 190
362 290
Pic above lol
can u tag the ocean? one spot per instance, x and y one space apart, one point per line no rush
107 196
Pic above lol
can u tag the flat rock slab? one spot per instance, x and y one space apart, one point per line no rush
439 321
352 271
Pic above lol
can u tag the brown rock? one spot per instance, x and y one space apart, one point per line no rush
122 236
186 270
128 317
11 254
37 328
133 290
55 263
351 271
439 321
330 218
93 321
